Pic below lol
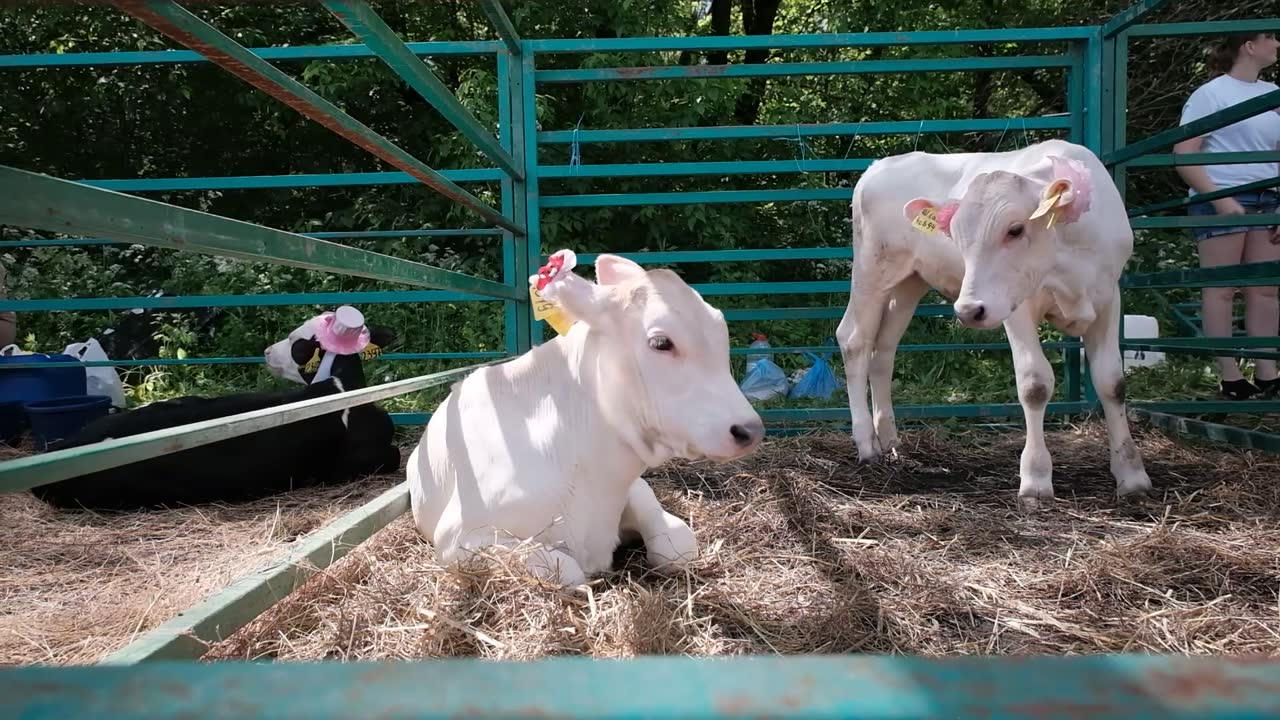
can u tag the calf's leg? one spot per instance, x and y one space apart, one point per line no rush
1035 387
545 563
1106 367
901 307
668 540
857 334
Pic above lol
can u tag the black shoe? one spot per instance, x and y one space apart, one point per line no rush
1268 388
1238 389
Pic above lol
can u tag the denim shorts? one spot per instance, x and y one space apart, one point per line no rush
1254 203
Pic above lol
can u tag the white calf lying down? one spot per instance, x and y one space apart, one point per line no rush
985 230
549 447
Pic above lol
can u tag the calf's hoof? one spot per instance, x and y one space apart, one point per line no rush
1031 501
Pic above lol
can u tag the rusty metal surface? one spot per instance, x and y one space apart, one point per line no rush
1133 687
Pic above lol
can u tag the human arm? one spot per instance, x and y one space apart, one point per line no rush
1196 177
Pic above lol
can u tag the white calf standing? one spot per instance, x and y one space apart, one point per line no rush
1015 238
550 446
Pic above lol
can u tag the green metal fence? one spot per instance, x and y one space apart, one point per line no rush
1093 62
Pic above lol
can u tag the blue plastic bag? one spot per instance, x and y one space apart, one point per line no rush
818 380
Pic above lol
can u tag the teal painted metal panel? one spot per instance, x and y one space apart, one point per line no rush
502 23
1231 435
366 25
1094 113
1203 197
35 470
44 203
818 40
301 53
820 687
1224 158
745 132
1130 15
185 28
710 197
263 182
739 167
1195 221
854 67
1225 347
1208 123
1205 29
1213 342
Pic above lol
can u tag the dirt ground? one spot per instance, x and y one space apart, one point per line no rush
804 551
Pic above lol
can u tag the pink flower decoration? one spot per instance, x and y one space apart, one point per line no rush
1081 187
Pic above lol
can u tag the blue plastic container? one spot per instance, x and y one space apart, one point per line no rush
35 383
13 419
62 417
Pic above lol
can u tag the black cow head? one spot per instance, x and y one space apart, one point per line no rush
332 344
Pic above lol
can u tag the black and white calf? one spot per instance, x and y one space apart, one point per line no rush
325 355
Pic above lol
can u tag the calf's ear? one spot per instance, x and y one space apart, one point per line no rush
615 269
927 216
578 297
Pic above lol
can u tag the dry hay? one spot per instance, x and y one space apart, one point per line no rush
807 552
77 585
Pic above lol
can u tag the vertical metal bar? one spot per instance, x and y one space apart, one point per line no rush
532 208
1120 108
514 257
1095 118
1076 108
502 23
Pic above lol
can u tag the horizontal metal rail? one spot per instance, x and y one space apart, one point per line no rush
746 132
716 168
1208 351
185 28
189 634
301 53
344 235
1237 436
854 67
145 302
374 32
1206 124
816 40
1205 197
1223 158
708 197
36 470
1258 273
1135 686
705 256
296 180
45 203
1203 29
1197 221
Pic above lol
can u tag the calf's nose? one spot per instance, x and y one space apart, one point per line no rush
970 312
747 434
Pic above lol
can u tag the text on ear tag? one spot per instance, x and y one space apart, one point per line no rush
544 309
926 221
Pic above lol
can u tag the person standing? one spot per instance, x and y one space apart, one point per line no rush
1238 61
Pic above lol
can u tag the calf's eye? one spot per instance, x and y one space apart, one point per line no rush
1016 230
661 343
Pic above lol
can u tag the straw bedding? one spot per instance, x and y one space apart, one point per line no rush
804 551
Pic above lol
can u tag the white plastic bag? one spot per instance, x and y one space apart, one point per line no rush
12 349
99 380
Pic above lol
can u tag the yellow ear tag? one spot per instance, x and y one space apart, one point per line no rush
1046 205
926 221
544 309
370 352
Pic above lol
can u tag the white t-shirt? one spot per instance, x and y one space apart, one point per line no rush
1260 132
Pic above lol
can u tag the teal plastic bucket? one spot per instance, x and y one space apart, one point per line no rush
60 418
